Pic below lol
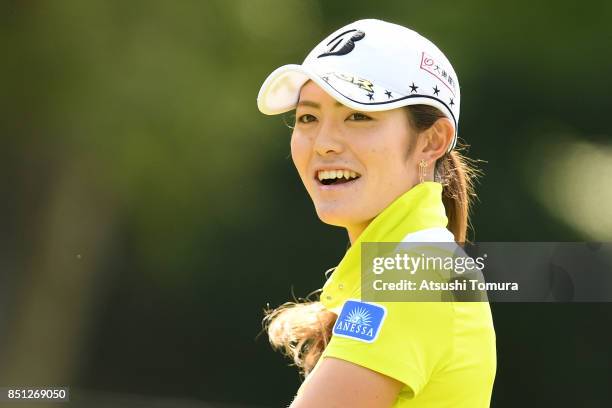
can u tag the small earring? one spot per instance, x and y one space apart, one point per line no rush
422 172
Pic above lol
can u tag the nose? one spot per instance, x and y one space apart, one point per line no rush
328 139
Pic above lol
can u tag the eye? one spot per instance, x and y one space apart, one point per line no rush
306 118
358 116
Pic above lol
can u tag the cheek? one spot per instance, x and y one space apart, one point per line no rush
300 152
386 164
384 160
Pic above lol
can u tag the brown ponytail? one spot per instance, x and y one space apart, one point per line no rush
302 329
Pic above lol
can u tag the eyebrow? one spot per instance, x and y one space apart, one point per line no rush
314 104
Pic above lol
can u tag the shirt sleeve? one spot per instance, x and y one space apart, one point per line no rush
403 340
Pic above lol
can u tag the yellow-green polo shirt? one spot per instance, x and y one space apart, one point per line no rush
443 352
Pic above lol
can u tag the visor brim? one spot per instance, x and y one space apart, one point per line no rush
280 93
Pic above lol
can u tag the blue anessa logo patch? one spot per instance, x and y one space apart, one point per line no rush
360 320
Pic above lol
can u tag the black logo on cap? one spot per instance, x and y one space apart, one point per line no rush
346 39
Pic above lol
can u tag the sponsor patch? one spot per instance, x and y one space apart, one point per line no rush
360 320
436 69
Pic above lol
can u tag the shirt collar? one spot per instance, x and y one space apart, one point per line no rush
419 208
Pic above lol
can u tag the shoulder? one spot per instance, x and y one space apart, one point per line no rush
402 340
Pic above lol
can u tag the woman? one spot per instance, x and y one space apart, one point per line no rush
377 108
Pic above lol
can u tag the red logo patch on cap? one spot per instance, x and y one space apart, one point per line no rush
436 69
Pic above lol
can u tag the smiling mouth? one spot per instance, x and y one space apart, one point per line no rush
333 177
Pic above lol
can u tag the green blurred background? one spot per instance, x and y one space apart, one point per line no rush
150 212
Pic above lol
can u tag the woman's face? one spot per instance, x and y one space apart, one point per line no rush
331 142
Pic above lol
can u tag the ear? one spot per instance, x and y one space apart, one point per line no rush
435 140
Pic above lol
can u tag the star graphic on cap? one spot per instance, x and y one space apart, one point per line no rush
413 88
371 96
451 102
436 90
388 93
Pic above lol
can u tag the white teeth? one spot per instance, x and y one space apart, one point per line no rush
332 174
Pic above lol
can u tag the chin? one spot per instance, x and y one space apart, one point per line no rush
338 217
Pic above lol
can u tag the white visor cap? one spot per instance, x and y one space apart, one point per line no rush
369 65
